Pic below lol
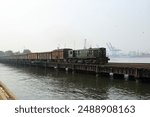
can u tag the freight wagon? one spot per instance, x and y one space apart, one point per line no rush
45 56
32 56
60 54
87 56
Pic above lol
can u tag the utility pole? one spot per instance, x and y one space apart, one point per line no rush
84 43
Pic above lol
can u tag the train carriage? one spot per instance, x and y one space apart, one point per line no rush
87 56
44 56
32 56
23 56
60 54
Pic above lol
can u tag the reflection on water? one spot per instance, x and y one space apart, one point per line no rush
42 83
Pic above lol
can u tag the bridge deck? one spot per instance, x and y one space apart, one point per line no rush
137 70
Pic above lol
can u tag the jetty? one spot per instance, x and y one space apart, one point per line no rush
133 71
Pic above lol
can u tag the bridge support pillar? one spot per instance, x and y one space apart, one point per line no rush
126 76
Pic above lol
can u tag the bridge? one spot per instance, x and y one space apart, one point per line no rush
131 71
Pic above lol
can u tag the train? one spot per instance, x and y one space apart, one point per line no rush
66 55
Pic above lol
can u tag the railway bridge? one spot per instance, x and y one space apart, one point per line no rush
117 70
132 71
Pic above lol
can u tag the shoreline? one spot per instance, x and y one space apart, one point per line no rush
5 93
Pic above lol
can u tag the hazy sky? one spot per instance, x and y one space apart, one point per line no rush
43 25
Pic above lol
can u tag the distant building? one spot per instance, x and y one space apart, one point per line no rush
9 53
2 53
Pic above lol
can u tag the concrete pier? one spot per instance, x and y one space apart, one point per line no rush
132 70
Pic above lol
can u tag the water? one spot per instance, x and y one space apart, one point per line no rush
130 60
40 83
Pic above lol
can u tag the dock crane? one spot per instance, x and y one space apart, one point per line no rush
114 51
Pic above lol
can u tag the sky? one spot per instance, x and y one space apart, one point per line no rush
45 25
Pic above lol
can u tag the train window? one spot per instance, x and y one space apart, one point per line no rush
78 52
71 52
90 52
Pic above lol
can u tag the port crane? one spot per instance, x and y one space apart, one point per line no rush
114 51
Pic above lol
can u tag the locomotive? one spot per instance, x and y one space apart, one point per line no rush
91 55
66 55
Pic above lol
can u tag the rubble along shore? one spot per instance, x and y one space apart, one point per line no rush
5 93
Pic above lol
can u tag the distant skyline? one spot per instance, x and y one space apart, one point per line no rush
44 25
